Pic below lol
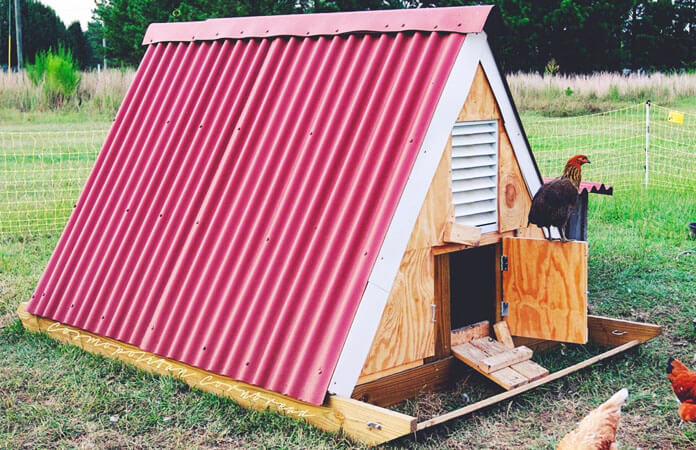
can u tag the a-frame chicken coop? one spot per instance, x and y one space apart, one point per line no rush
322 215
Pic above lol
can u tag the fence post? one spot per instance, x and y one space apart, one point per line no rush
647 142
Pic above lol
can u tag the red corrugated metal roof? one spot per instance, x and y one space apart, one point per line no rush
236 209
590 187
469 19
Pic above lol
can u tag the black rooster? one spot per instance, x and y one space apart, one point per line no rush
555 201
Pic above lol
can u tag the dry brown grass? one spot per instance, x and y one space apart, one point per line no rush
98 92
562 95
557 95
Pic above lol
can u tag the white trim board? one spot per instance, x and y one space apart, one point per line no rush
373 302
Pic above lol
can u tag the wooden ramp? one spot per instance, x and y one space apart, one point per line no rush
508 366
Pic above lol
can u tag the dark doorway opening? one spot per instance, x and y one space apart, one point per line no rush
473 286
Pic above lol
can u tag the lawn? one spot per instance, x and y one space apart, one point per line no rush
56 395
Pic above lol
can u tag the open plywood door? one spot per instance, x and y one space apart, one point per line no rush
545 287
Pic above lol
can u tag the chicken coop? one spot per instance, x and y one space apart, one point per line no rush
321 215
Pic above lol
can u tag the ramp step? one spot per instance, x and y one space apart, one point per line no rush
531 370
509 368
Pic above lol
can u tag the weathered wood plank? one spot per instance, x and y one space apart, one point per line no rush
338 413
474 357
502 334
430 377
511 393
601 331
469 354
470 332
489 345
508 378
530 370
608 331
461 234
493 363
546 288
365 422
486 239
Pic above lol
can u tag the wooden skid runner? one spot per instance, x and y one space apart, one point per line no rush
510 368
531 385
361 421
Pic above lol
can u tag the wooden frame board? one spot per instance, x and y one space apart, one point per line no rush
360 421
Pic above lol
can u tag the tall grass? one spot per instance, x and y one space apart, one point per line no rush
98 92
565 95
57 72
550 95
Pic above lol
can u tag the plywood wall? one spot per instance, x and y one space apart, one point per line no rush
406 333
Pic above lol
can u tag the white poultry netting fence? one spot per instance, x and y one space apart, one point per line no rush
630 148
41 176
42 173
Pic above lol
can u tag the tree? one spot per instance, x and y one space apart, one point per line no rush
77 43
125 21
660 34
581 35
41 27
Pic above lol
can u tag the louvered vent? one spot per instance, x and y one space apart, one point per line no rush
475 174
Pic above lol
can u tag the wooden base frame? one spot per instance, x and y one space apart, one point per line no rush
361 421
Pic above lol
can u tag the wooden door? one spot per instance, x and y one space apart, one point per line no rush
545 287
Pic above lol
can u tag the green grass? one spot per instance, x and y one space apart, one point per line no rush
44 162
53 395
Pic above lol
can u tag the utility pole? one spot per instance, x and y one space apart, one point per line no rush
9 37
18 34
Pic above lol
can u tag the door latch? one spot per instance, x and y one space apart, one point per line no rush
503 309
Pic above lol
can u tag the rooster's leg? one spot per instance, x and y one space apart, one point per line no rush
563 236
548 233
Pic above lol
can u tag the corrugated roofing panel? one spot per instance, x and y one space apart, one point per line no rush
237 207
590 187
459 19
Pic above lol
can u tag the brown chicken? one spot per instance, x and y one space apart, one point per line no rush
598 429
555 201
684 386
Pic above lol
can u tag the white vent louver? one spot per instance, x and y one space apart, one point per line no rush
475 174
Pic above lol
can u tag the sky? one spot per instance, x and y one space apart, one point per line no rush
72 10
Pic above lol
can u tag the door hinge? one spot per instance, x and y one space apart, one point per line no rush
503 263
503 309
434 306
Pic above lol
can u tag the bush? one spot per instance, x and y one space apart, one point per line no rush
57 72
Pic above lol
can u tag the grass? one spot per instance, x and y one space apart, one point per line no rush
44 167
58 395
98 93
571 95
52 395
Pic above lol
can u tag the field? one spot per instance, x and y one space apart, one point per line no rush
56 395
